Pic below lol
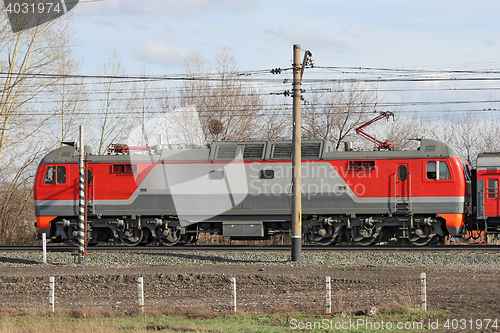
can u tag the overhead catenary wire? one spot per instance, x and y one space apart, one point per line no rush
271 84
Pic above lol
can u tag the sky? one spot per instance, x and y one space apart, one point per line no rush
260 34
381 41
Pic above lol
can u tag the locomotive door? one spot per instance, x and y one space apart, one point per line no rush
402 188
402 183
492 200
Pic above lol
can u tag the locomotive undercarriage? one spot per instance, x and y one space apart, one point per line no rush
325 230
130 231
369 230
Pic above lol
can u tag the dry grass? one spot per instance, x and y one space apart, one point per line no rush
209 239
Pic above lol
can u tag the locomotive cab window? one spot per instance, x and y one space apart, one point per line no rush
50 175
61 175
55 175
438 170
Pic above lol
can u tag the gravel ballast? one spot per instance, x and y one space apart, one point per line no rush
452 259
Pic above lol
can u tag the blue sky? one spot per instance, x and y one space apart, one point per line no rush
424 35
260 34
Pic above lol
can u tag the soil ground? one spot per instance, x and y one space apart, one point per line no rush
462 293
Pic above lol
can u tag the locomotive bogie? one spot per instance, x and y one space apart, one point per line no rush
368 230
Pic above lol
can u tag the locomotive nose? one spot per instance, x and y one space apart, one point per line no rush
454 224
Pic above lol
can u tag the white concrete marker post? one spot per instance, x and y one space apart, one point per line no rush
423 290
44 247
233 292
52 296
328 295
140 287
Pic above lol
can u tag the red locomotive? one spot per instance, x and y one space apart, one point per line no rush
243 190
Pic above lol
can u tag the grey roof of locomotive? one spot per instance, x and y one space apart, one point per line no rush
258 151
488 160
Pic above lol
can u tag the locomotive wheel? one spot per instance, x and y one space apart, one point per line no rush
421 241
329 241
173 237
136 237
365 236
367 241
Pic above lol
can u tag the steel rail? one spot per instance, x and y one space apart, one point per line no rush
310 248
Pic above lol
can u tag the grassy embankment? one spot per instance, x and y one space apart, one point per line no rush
201 321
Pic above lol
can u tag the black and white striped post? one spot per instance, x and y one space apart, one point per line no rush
81 200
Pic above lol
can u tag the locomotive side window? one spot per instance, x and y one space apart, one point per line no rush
266 174
89 176
492 188
61 175
438 170
49 175
123 169
216 175
402 173
361 166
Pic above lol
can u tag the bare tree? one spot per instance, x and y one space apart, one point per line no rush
33 62
26 58
221 96
117 104
69 102
469 133
404 128
275 123
335 111
149 101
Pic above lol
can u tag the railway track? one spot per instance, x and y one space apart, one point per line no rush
383 248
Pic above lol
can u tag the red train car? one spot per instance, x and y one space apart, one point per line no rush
487 192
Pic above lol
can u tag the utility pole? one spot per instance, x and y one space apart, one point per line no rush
297 157
81 200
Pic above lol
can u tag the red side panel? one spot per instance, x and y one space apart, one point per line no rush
491 199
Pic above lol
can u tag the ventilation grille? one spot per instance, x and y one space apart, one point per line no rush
310 150
282 151
226 152
253 151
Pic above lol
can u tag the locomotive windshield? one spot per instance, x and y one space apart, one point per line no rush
438 170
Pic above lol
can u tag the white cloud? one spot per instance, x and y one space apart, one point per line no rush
314 39
172 8
158 53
